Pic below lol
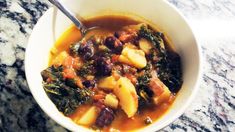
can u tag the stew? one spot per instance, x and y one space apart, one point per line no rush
121 76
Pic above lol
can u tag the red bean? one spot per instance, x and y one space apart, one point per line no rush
105 117
103 66
114 44
87 50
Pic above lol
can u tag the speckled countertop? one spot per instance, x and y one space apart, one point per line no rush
213 22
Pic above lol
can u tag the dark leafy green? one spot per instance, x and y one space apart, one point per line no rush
154 37
170 73
168 62
63 92
144 79
54 73
86 69
143 92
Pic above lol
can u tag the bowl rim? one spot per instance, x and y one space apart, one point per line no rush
199 72
164 124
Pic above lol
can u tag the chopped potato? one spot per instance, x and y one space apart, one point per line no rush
161 91
137 57
164 97
60 58
107 83
130 45
126 50
89 117
111 101
133 57
126 93
145 45
124 59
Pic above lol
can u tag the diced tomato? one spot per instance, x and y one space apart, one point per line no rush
98 97
115 58
69 73
79 82
125 38
77 62
71 62
68 62
156 86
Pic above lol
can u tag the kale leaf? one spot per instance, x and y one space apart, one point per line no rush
87 69
63 93
154 37
168 62
143 91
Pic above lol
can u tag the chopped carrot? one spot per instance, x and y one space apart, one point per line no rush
125 38
68 62
101 92
79 82
77 62
115 58
98 97
69 73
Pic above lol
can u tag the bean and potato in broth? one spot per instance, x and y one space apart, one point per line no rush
122 76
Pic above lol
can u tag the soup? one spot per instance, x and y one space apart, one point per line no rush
121 76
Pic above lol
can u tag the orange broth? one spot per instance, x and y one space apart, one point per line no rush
108 24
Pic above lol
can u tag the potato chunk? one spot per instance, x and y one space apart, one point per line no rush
126 93
111 101
137 57
124 59
160 90
60 58
133 57
145 45
107 83
163 97
89 117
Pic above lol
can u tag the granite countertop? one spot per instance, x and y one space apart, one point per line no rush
213 22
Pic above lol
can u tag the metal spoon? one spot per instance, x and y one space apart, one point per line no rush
71 16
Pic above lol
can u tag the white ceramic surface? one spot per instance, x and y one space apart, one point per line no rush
53 23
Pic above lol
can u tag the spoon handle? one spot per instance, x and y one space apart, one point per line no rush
69 14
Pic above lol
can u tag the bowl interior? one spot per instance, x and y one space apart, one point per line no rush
54 23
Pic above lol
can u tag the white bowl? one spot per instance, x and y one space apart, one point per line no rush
53 23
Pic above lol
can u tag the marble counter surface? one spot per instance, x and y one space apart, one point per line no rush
213 22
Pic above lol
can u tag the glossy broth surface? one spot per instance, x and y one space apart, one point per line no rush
108 25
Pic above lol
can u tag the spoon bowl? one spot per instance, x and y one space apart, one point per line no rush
72 16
